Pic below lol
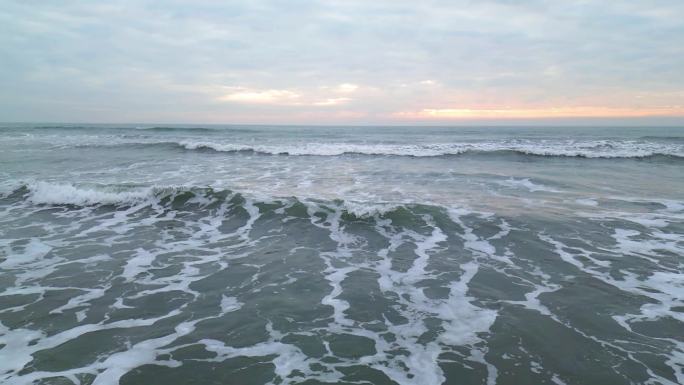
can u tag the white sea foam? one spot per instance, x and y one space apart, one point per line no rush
587 202
364 209
116 365
16 352
462 321
664 288
527 184
81 300
33 251
138 264
229 304
471 241
568 148
61 193
288 357
22 344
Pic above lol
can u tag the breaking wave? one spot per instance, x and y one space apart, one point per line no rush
175 197
573 150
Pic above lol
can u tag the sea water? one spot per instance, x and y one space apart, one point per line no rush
341 255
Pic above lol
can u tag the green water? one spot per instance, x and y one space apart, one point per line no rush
290 255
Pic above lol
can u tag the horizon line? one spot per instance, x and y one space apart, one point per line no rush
535 123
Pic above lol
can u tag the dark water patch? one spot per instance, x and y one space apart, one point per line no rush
664 138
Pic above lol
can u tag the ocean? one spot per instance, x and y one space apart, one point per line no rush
245 255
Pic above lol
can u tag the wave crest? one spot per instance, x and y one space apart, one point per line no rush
68 194
574 150
178 197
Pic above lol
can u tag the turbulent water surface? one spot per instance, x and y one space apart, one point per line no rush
341 255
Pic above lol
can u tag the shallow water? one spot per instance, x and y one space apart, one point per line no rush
313 255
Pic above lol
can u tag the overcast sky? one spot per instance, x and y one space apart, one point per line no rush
342 61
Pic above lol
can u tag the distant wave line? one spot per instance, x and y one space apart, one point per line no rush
597 150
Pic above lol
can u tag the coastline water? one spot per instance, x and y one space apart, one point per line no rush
311 255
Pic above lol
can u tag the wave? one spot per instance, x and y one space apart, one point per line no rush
62 127
176 197
663 138
540 148
417 151
176 128
571 150
68 194
192 129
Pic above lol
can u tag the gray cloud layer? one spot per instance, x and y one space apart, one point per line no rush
280 61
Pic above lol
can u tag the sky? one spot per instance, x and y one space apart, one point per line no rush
343 61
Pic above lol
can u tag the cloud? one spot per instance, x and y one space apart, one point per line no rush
331 102
285 97
346 88
243 95
427 82
372 61
542 113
